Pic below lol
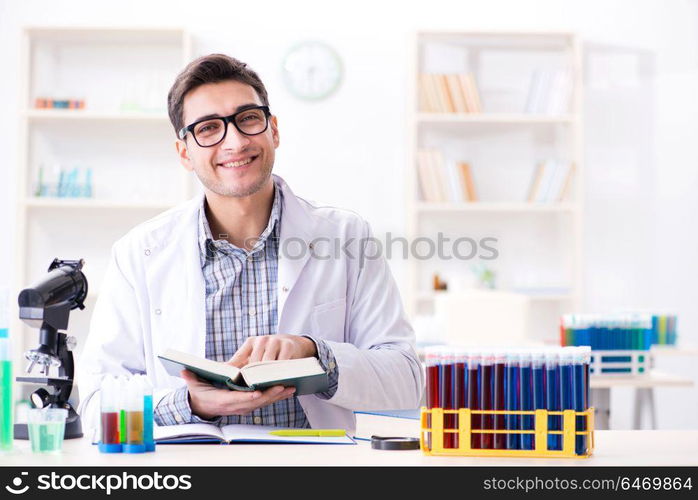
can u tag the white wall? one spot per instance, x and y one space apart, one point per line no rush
644 259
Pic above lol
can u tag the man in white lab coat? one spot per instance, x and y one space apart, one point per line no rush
248 271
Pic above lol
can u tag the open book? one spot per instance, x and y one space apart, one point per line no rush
305 374
235 433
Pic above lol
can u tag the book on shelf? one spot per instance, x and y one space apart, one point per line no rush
468 181
428 100
449 93
551 182
549 92
444 181
305 374
427 178
472 97
457 95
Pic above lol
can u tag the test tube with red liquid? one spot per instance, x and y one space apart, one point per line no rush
432 361
474 398
110 399
460 389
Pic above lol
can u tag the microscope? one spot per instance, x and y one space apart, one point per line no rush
46 305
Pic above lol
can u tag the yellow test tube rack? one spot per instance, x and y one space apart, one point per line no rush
436 431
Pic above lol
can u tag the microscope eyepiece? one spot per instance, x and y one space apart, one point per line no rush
64 282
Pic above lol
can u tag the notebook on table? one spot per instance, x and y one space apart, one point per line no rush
236 433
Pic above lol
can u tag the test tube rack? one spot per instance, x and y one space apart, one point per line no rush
434 433
620 362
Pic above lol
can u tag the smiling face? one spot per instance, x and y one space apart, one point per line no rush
240 165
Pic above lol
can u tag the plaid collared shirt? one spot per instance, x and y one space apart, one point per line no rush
241 302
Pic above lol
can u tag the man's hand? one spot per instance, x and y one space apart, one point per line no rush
209 402
270 347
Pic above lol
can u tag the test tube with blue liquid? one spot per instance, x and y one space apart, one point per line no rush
526 397
487 398
538 376
512 401
500 440
148 416
566 378
552 397
580 380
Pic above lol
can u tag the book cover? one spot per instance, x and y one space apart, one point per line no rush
305 374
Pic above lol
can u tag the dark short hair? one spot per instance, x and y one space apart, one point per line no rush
213 68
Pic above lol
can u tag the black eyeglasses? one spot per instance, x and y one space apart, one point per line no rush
211 131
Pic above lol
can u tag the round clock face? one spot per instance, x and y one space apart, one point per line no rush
312 70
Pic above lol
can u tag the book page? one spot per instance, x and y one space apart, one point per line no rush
264 371
187 431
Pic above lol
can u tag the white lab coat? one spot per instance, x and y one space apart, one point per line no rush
153 298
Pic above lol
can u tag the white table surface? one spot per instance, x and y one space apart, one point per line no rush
675 350
648 448
652 379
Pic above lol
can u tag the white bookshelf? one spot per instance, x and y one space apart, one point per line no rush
502 143
56 115
58 203
123 135
480 206
502 118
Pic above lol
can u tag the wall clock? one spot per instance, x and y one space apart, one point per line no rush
312 70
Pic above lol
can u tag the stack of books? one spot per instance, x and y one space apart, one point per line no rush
551 183
449 93
549 92
442 181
